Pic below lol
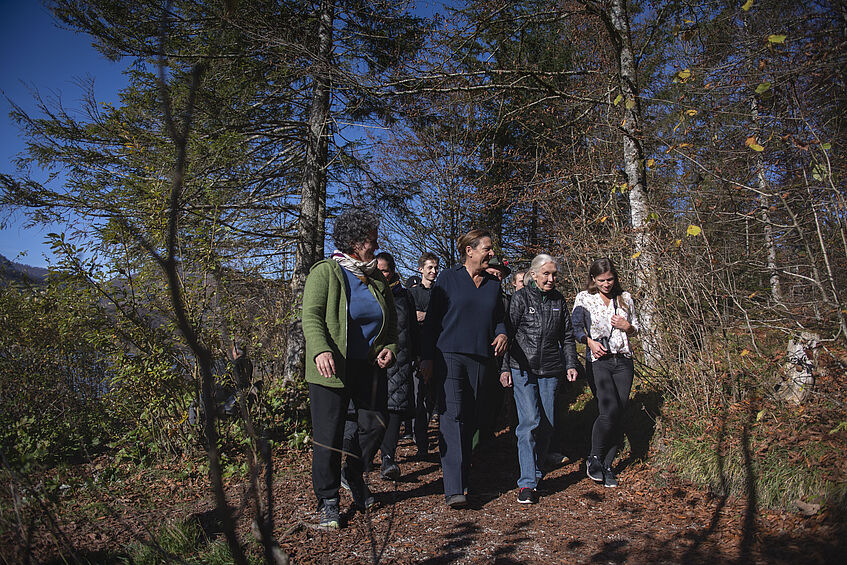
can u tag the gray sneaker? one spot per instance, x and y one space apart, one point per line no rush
329 515
594 468
457 501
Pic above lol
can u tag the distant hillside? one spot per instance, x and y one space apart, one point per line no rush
16 272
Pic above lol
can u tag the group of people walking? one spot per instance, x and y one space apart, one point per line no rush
376 353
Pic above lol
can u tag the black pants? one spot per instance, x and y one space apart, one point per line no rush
461 377
491 404
366 386
392 434
612 383
424 408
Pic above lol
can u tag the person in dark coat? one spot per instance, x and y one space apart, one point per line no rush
401 389
463 329
424 399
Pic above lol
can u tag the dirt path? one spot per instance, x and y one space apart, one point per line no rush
651 518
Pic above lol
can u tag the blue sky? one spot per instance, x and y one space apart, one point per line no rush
36 54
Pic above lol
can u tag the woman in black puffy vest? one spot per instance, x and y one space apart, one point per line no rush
401 388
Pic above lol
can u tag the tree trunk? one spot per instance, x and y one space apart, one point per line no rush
310 229
764 210
616 19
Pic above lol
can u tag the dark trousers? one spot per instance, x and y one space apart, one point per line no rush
490 404
366 386
424 407
392 435
612 382
461 377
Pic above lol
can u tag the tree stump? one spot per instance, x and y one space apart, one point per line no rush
799 370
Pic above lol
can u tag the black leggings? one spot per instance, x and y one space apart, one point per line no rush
612 382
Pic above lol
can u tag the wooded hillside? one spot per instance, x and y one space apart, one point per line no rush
701 145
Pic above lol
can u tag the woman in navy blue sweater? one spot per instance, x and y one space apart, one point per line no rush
464 327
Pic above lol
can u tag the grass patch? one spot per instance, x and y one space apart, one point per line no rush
789 457
180 542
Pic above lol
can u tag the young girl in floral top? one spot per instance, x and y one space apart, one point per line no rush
604 319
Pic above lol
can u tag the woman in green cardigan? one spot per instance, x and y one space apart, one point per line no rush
350 326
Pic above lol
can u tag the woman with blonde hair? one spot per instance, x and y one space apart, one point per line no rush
463 329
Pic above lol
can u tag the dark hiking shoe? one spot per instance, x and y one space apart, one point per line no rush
457 501
389 471
362 497
609 478
527 496
594 469
329 515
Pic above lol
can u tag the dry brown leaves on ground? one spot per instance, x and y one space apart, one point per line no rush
651 517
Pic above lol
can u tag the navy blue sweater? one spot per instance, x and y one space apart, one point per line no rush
462 318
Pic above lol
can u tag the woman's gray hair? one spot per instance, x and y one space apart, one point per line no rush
539 261
353 226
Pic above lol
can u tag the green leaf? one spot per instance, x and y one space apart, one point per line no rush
764 87
826 146
818 173
777 38
618 99
693 230
756 147
841 427
684 74
747 5
630 104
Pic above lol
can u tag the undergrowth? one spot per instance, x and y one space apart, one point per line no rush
184 542
786 453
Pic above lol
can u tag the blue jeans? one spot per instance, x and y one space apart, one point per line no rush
535 400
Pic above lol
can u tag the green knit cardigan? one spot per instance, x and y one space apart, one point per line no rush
325 320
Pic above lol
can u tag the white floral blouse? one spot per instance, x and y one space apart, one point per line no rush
592 317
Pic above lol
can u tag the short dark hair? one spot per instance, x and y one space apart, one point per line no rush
388 258
471 239
353 226
428 256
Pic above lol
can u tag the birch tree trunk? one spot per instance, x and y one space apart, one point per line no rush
310 229
764 211
614 15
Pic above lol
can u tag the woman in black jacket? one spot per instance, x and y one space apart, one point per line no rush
400 385
542 351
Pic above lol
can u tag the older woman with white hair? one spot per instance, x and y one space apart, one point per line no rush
541 352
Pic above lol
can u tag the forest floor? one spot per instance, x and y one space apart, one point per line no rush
652 517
